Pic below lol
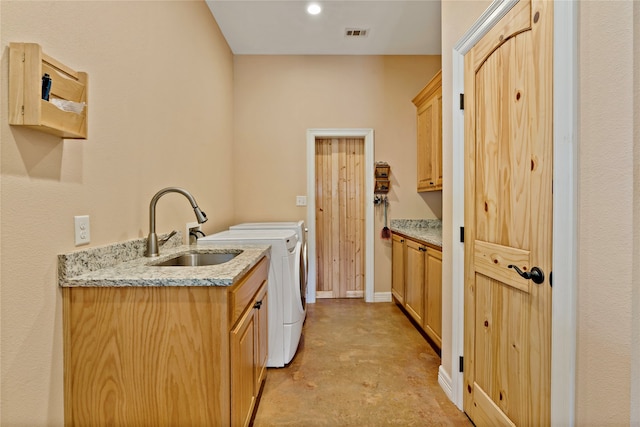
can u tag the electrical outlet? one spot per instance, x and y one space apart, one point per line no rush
301 200
83 229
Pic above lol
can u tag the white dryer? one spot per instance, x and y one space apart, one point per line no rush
286 312
301 232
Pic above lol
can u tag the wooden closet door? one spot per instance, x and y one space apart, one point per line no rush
340 218
508 213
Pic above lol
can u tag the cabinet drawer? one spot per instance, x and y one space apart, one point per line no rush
243 292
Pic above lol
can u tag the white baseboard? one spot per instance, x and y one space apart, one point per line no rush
382 297
445 382
377 297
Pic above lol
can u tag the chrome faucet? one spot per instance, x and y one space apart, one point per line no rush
152 240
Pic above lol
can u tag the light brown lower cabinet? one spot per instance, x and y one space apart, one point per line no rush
414 285
417 283
165 356
433 297
398 250
248 361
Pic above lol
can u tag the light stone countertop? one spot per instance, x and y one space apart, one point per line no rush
124 264
426 230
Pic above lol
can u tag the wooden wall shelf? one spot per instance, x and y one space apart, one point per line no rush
27 65
382 173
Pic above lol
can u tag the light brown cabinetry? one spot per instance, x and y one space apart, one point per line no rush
165 356
433 296
398 250
421 267
261 338
414 280
429 141
248 341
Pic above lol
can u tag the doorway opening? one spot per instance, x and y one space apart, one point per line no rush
339 217
366 194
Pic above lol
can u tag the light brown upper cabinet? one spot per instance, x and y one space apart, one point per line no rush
429 105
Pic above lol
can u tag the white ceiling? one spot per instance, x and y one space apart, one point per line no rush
267 27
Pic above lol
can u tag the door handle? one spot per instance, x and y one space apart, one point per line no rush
535 274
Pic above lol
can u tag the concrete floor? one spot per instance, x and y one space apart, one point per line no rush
358 364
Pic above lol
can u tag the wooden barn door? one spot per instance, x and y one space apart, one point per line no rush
508 213
340 218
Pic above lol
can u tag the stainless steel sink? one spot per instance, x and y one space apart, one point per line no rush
196 259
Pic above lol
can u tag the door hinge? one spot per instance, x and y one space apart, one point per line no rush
461 364
462 101
461 234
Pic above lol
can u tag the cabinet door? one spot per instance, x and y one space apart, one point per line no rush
262 334
243 357
414 280
426 174
397 268
433 302
436 145
429 135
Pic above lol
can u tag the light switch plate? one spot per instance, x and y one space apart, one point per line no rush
83 229
301 200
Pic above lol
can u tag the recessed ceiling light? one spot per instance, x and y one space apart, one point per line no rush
314 9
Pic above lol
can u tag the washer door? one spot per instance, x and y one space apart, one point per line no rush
302 274
294 297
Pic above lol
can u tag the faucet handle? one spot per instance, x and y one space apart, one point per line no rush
165 239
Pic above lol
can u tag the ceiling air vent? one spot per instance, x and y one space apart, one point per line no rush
356 32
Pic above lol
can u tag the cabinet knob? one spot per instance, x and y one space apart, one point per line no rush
258 304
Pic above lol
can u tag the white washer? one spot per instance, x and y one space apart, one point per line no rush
301 231
286 312
297 226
